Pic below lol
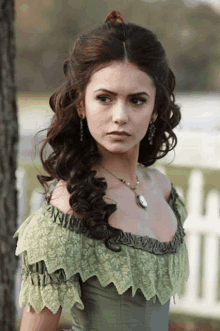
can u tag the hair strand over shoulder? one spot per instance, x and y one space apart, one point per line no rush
72 160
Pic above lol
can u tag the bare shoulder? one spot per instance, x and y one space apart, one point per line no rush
60 197
60 190
163 182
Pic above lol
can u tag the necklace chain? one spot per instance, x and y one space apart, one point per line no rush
140 200
124 181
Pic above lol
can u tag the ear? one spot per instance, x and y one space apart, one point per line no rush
81 109
154 117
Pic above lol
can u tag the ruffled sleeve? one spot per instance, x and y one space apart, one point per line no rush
59 255
45 282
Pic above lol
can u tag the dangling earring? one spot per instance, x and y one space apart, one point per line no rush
152 129
81 129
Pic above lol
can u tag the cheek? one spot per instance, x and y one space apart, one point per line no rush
95 123
143 129
144 120
143 125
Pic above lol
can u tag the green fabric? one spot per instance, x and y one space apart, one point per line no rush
57 250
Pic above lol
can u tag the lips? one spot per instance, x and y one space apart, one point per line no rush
119 133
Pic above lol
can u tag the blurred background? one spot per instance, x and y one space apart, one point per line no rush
190 32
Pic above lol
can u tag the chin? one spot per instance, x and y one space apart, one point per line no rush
118 149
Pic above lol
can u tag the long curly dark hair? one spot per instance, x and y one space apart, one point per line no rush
72 160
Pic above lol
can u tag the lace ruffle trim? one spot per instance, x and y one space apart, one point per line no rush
145 243
51 296
53 290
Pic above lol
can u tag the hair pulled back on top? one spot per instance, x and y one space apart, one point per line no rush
115 17
72 160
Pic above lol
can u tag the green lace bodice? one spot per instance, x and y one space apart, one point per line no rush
57 252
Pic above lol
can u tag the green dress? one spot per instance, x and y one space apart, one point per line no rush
104 290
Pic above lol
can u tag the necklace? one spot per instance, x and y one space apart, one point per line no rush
140 200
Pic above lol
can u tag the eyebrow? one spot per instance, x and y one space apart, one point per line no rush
104 90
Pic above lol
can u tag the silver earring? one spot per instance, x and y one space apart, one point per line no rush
152 129
81 129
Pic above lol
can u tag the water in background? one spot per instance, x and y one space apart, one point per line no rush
200 112
198 133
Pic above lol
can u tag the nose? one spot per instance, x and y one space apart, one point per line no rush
120 114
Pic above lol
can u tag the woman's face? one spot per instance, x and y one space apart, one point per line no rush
117 109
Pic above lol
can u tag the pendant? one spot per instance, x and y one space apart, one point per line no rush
141 201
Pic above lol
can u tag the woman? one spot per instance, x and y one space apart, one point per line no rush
116 266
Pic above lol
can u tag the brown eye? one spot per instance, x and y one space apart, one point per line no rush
140 99
99 97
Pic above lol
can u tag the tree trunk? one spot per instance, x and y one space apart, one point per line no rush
8 166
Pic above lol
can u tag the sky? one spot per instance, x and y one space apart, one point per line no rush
214 3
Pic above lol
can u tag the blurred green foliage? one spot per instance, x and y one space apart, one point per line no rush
45 35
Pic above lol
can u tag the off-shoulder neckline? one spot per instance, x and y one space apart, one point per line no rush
147 243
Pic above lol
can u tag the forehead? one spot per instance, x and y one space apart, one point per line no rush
120 75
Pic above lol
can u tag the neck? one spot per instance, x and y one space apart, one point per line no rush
123 166
110 171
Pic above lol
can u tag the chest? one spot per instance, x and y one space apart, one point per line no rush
158 222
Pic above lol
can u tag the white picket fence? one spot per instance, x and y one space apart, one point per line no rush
196 225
